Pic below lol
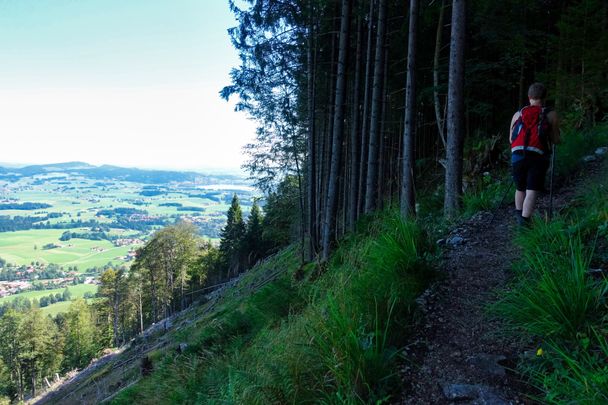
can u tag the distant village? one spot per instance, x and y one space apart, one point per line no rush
33 277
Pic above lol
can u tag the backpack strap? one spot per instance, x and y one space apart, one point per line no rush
544 137
516 126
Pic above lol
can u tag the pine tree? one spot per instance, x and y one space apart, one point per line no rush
253 246
231 237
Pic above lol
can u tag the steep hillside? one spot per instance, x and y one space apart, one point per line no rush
282 333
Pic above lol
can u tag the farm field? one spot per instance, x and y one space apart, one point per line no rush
24 247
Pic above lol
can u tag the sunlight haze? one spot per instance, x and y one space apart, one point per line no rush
111 82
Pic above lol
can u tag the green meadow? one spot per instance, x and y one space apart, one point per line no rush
24 247
77 291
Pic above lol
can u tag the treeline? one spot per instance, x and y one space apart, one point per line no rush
93 235
364 102
21 223
51 299
24 206
121 211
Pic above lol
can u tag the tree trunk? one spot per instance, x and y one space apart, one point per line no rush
115 320
453 176
327 144
154 296
364 118
351 205
141 314
372 156
381 182
311 145
33 381
338 128
436 101
181 292
21 386
408 199
300 199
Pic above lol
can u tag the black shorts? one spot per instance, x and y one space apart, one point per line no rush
529 172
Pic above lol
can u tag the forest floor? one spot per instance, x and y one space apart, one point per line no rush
460 354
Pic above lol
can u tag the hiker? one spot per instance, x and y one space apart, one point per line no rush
534 129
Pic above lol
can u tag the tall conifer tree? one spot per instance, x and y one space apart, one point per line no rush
231 237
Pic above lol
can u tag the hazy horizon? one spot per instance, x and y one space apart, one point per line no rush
202 170
132 84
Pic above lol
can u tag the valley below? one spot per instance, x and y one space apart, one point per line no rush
61 225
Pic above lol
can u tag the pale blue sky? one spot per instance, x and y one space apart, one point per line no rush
130 82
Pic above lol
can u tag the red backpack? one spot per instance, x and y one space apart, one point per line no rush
531 131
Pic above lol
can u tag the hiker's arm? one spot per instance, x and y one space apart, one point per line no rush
554 121
515 117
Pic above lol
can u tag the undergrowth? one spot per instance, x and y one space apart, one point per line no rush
559 300
575 144
486 194
328 335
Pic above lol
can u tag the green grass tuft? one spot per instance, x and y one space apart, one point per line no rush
556 301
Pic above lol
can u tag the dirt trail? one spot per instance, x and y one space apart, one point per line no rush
458 353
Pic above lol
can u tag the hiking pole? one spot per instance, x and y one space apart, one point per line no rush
502 200
551 181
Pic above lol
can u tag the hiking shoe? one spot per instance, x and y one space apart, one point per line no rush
524 222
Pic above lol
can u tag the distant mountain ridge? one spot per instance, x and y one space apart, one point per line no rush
109 172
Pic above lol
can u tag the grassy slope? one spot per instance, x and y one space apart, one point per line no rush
308 336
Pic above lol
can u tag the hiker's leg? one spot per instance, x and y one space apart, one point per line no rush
528 204
535 183
519 199
520 177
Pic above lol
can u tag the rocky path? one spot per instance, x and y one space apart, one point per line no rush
458 353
